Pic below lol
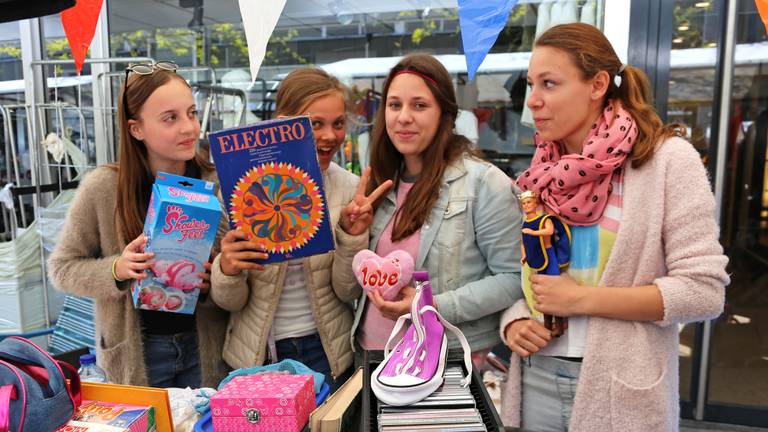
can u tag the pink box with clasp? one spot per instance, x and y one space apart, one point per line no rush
265 402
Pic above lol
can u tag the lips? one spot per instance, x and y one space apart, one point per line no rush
187 143
405 135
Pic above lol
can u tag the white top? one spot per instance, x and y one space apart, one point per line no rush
294 313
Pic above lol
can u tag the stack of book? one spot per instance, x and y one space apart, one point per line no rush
450 408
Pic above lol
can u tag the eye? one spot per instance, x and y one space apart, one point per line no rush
529 84
170 118
549 83
193 113
339 124
420 105
394 105
316 124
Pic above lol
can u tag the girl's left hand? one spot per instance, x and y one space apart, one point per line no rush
205 283
559 295
393 309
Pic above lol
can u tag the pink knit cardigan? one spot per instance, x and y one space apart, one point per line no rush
668 237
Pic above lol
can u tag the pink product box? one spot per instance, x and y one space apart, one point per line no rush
181 224
264 403
96 416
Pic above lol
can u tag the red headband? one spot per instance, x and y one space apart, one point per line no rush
424 77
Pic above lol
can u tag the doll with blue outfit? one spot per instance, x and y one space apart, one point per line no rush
545 246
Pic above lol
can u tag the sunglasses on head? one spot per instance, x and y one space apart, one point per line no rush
145 69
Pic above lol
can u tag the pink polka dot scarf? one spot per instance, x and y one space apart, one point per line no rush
576 187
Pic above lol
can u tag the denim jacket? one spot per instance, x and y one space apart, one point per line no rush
470 245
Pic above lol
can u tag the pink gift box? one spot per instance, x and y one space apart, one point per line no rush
264 402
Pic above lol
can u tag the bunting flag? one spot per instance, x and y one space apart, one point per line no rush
259 20
80 25
762 8
481 21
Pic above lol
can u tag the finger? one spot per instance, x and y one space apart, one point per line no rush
133 274
528 345
207 266
378 192
245 246
204 276
363 184
375 297
137 244
247 256
138 256
539 330
139 265
234 236
204 287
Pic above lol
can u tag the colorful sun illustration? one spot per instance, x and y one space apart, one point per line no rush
278 205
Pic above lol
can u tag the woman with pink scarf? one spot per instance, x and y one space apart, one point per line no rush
645 247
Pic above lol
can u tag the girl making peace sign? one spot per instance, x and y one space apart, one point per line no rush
302 305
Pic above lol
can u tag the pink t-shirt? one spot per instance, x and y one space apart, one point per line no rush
375 329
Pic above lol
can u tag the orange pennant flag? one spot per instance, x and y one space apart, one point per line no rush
79 26
762 7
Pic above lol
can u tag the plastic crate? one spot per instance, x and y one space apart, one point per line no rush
369 417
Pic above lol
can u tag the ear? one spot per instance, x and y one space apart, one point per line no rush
135 129
600 84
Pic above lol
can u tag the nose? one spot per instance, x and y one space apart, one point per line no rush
191 126
324 134
405 116
534 101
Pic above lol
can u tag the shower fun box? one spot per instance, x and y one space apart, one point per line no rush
181 224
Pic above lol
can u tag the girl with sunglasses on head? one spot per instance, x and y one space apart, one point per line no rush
300 309
101 249
645 256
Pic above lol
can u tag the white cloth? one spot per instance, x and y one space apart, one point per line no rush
466 124
293 317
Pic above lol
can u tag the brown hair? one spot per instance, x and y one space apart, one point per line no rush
446 146
591 52
302 87
134 175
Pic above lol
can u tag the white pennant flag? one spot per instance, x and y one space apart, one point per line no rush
259 20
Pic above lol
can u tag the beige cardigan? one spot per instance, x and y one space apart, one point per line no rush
668 237
81 265
252 296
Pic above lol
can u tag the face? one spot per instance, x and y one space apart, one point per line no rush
530 205
412 115
168 125
329 126
562 103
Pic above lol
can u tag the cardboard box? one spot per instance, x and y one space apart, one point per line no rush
264 403
181 224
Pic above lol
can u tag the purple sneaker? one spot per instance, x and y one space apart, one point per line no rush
414 370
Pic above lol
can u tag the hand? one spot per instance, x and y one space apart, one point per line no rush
559 295
526 336
237 251
357 216
205 276
393 309
133 261
528 231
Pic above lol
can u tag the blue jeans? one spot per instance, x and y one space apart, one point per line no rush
309 350
549 388
172 360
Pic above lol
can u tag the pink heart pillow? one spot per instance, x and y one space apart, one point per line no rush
387 275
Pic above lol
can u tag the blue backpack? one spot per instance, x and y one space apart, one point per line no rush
34 395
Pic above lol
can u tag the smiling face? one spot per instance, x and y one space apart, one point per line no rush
168 125
329 126
563 104
412 118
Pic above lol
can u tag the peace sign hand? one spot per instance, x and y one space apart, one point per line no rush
357 216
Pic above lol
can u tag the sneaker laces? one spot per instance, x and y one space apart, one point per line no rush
415 317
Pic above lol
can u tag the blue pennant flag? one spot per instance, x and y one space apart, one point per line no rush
481 21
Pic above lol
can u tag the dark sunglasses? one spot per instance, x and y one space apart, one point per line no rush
145 69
